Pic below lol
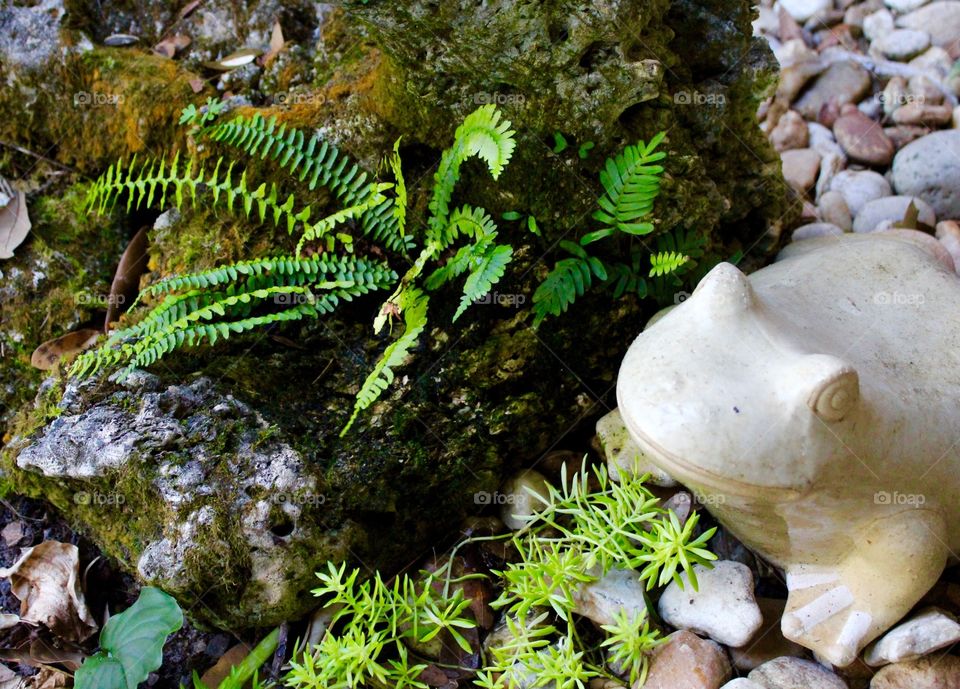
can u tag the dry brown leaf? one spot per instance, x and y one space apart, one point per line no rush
12 533
48 678
46 581
276 42
46 356
126 281
188 9
170 46
14 220
219 672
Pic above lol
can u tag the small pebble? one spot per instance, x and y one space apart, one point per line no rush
863 139
741 683
924 90
860 187
948 232
722 607
815 229
842 82
618 590
802 10
928 631
795 673
790 132
930 168
904 6
894 95
903 134
902 44
918 113
800 167
942 672
877 25
686 661
517 502
893 209
941 19
833 209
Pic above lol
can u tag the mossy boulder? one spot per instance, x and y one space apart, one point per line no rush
198 447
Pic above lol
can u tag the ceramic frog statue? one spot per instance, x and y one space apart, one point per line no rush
816 406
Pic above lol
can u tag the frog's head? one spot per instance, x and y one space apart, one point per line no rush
725 403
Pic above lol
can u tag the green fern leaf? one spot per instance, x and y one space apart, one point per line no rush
413 305
484 276
631 183
666 262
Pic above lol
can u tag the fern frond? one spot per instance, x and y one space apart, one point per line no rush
482 134
569 279
316 163
322 228
631 183
488 271
666 262
413 305
400 205
312 286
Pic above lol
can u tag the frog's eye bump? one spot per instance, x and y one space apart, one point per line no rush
834 396
724 290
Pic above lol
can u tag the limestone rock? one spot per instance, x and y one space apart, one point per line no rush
791 673
929 168
925 632
686 661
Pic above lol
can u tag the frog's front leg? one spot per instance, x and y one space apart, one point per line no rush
838 609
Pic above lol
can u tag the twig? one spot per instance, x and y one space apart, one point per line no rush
38 156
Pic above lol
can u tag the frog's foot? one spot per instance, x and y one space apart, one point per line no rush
822 614
836 610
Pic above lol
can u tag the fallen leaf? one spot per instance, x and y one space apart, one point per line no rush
219 672
14 220
172 45
276 42
188 9
46 356
126 281
910 218
234 60
12 533
43 652
120 40
47 678
46 581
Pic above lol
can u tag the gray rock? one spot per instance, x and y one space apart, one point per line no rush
251 494
832 208
618 590
800 167
902 44
723 606
892 209
877 25
29 36
940 19
925 632
841 83
860 187
815 229
741 683
795 673
942 672
904 6
930 169
802 10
